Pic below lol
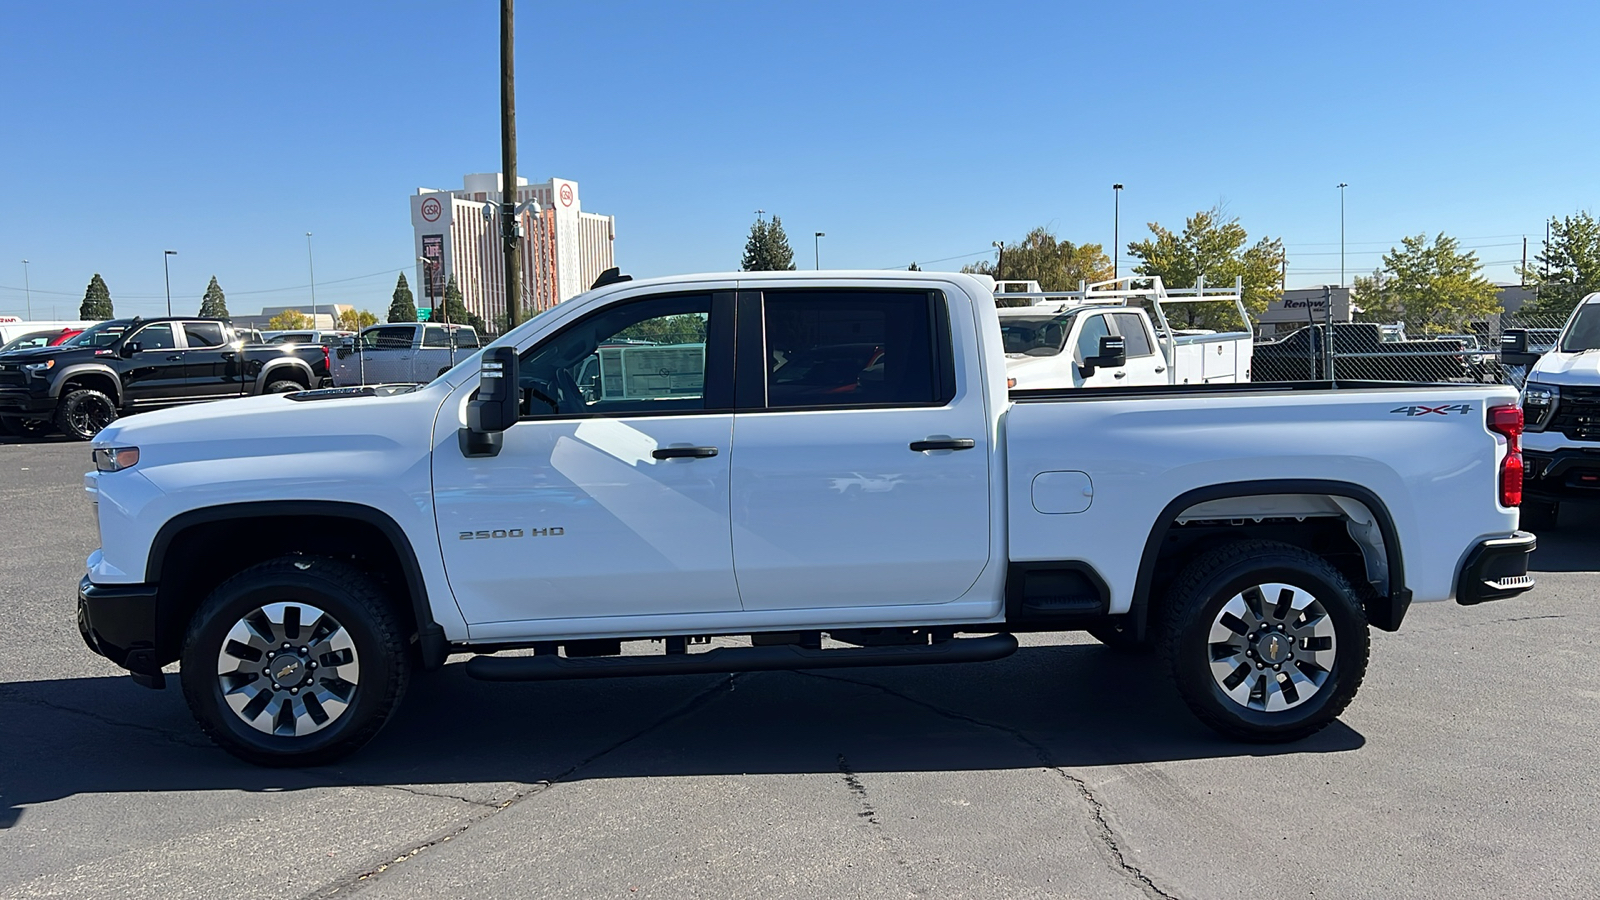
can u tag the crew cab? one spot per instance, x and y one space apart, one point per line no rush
402 353
1102 336
903 509
1561 403
126 365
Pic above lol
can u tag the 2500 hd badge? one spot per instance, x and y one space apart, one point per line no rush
510 533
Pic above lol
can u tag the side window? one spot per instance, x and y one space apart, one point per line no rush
467 338
397 338
850 348
435 336
201 335
1133 332
1094 328
648 356
155 337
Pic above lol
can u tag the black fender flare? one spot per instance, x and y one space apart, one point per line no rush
264 377
68 372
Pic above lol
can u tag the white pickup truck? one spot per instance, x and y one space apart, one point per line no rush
402 353
1561 400
848 483
1102 335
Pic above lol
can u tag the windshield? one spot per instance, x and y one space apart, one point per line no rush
1584 332
1035 335
103 335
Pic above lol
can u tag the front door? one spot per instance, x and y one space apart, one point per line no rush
847 487
603 504
155 371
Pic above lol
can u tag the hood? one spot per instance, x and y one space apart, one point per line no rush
1577 369
39 354
1035 372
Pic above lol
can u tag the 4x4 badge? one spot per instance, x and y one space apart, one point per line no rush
1409 411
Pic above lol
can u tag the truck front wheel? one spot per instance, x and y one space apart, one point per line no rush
81 413
1265 641
293 662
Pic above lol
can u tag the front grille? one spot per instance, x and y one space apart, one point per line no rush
1578 414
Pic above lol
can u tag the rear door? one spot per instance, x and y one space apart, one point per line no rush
847 487
384 355
1145 365
210 363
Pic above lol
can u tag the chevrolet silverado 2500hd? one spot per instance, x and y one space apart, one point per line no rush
302 555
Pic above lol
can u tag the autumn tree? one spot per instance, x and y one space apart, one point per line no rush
1214 245
767 248
214 305
289 320
1432 286
402 307
355 320
96 300
1569 267
1056 264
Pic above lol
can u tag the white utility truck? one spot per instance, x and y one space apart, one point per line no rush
838 473
1561 402
1053 339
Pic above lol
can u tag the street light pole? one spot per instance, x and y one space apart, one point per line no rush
27 289
168 273
816 249
312 267
1116 231
1342 186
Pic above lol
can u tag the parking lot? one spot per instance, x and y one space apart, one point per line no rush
1464 768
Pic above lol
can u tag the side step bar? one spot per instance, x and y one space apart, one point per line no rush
737 659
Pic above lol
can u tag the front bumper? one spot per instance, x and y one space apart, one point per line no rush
1496 569
17 401
1568 474
119 623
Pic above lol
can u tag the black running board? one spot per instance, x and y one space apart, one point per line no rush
738 659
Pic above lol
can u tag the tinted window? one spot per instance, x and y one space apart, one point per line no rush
843 348
466 337
1134 335
1094 328
397 338
103 335
435 336
155 337
646 356
202 334
292 338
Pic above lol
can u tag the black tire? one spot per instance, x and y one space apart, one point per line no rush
17 426
1540 513
81 413
348 595
284 387
1196 602
1118 638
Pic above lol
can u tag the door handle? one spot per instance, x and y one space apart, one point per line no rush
684 453
943 444
175 357
1120 375
1160 369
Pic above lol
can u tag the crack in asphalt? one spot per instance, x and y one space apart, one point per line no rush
1103 830
186 740
359 881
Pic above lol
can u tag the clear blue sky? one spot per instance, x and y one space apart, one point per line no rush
917 131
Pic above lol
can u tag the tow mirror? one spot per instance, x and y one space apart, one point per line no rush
1514 348
497 405
1113 355
131 348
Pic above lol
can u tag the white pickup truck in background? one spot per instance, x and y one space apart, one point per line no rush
1103 335
1561 402
402 353
826 468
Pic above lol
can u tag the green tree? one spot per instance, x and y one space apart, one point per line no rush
355 320
767 249
403 307
214 305
1216 246
913 268
289 320
1057 265
455 310
689 328
1433 287
96 300
1569 267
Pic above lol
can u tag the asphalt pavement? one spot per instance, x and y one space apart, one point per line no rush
1465 768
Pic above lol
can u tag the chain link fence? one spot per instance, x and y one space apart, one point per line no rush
1442 350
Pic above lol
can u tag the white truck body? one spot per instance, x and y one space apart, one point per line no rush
888 486
1048 341
402 353
1561 402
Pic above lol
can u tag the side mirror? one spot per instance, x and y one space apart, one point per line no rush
497 405
131 348
1514 348
1113 355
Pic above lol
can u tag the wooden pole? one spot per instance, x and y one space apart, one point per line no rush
508 169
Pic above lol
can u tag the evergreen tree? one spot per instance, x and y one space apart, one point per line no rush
455 310
913 268
403 308
767 249
96 300
214 305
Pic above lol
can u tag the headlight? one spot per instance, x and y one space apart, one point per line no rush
38 368
1538 402
115 459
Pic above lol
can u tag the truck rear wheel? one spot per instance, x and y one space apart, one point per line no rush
1265 641
80 414
285 387
293 662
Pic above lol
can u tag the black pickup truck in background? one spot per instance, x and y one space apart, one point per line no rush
1359 354
126 365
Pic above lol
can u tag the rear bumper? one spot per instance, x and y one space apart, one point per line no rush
1569 474
1496 569
119 623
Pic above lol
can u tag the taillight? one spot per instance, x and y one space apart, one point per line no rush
326 365
1507 420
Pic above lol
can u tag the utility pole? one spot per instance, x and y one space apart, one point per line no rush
1342 186
311 266
168 274
27 289
816 249
999 259
508 169
1116 229
1524 272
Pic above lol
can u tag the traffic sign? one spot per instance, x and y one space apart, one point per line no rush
423 312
